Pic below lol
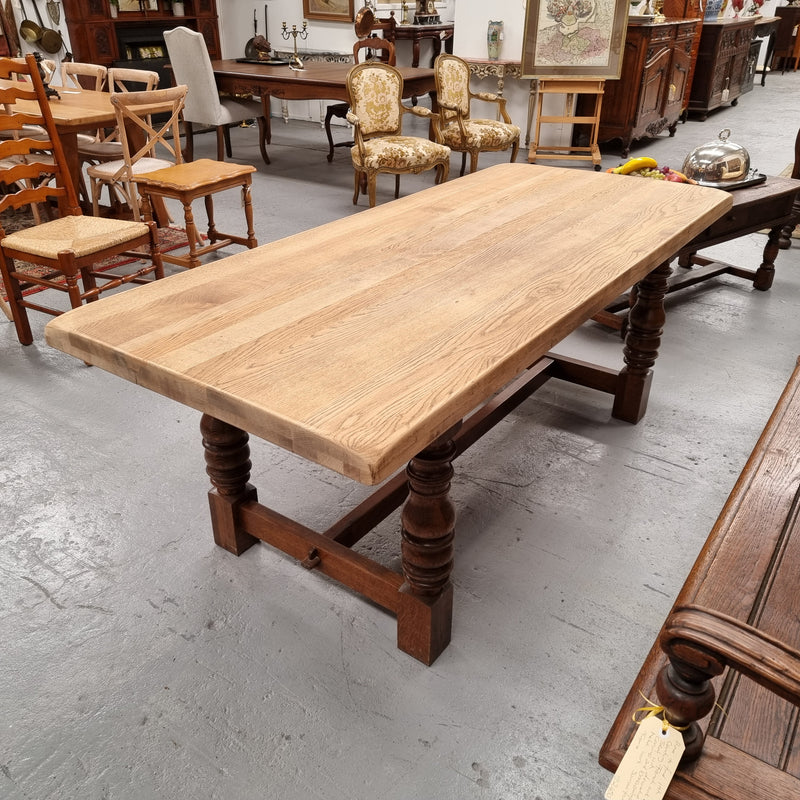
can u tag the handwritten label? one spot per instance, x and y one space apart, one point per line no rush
649 763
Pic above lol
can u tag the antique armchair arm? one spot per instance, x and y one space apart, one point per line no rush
357 137
458 117
490 97
421 111
707 641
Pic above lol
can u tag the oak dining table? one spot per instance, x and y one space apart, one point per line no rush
384 363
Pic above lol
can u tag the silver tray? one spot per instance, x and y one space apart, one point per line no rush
753 179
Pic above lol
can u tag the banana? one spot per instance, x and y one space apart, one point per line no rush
643 162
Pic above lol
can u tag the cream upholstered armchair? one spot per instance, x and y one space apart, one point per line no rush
191 66
457 129
376 113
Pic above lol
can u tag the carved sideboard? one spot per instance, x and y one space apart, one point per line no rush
648 97
725 65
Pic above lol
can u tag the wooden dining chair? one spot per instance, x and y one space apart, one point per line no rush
376 114
191 65
142 111
68 247
376 49
458 129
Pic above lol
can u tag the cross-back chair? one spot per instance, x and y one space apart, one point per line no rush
377 49
458 130
80 75
106 145
376 114
69 246
191 65
140 110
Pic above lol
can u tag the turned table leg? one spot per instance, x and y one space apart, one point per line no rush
645 324
765 274
425 611
228 465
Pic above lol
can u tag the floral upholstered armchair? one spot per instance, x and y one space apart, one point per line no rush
457 129
376 112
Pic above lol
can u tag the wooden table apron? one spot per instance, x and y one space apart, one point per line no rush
364 360
317 81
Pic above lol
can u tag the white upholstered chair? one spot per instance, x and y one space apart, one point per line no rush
191 66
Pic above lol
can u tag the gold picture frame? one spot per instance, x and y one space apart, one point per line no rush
574 38
330 10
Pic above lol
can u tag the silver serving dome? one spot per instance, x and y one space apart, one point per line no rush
718 163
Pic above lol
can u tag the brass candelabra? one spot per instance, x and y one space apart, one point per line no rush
294 33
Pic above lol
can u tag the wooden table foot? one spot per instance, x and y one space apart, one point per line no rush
228 465
645 325
428 528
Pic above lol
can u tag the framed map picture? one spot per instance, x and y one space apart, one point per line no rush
574 38
331 10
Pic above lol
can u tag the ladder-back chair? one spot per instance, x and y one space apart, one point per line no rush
69 246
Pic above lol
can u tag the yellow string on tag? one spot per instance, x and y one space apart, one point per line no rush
654 710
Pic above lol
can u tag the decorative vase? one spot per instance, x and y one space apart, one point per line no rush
177 9
494 39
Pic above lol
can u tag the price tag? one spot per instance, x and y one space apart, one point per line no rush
649 763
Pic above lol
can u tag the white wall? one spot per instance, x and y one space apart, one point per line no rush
30 6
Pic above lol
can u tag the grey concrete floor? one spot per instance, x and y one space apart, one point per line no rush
140 661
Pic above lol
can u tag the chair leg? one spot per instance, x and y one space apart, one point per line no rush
473 160
265 106
18 312
220 143
248 215
396 186
226 135
328 117
192 234
463 162
263 138
372 179
358 187
514 151
188 153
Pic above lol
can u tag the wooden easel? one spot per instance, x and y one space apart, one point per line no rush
570 88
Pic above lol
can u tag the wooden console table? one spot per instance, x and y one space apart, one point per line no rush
367 360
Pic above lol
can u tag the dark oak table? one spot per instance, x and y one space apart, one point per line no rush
317 81
366 360
767 206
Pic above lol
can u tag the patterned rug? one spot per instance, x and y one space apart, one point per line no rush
170 239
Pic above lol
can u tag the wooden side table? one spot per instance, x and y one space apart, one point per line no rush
188 182
416 33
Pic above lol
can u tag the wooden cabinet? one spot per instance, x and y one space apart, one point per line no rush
786 38
99 39
648 97
722 64
687 9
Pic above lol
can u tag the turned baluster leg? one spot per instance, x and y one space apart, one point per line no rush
687 695
765 274
192 233
247 202
425 612
212 234
228 465
645 324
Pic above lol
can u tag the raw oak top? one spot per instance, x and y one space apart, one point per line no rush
77 109
357 343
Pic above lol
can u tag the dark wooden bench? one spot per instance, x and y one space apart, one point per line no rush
726 663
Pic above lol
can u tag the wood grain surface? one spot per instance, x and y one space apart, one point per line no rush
357 343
